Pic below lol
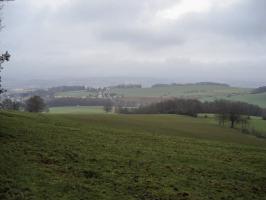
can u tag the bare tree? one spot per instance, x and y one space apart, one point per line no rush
8 104
264 114
222 118
108 106
3 58
233 112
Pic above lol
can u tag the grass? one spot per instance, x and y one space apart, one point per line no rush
127 157
192 91
257 99
195 91
258 124
77 110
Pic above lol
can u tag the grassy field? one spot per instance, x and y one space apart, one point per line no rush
257 99
196 91
258 124
193 91
147 157
77 110
255 123
201 92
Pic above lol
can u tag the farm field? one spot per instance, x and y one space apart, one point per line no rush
201 92
195 91
76 110
258 124
257 99
99 156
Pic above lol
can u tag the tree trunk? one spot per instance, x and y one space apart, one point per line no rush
232 123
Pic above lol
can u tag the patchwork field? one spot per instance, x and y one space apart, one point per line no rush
196 91
97 156
201 92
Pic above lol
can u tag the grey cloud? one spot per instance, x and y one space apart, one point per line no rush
244 20
115 37
110 10
118 21
142 38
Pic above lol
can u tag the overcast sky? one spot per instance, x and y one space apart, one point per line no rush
188 40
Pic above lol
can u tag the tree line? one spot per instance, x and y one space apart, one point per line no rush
32 104
226 111
126 86
189 84
259 90
72 101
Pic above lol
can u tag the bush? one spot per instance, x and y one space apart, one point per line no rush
35 104
8 104
108 107
264 114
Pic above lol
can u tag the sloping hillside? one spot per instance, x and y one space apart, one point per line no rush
256 99
127 157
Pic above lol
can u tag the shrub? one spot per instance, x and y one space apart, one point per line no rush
35 104
108 107
264 114
8 104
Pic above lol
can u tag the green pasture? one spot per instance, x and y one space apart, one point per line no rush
132 157
76 110
257 99
196 91
193 91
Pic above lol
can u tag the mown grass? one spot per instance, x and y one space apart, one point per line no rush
127 157
77 110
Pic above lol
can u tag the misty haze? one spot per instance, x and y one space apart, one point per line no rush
124 99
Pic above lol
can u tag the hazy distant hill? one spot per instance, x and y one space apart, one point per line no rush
201 91
190 84
259 90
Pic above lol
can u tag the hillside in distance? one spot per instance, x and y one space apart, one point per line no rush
201 91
